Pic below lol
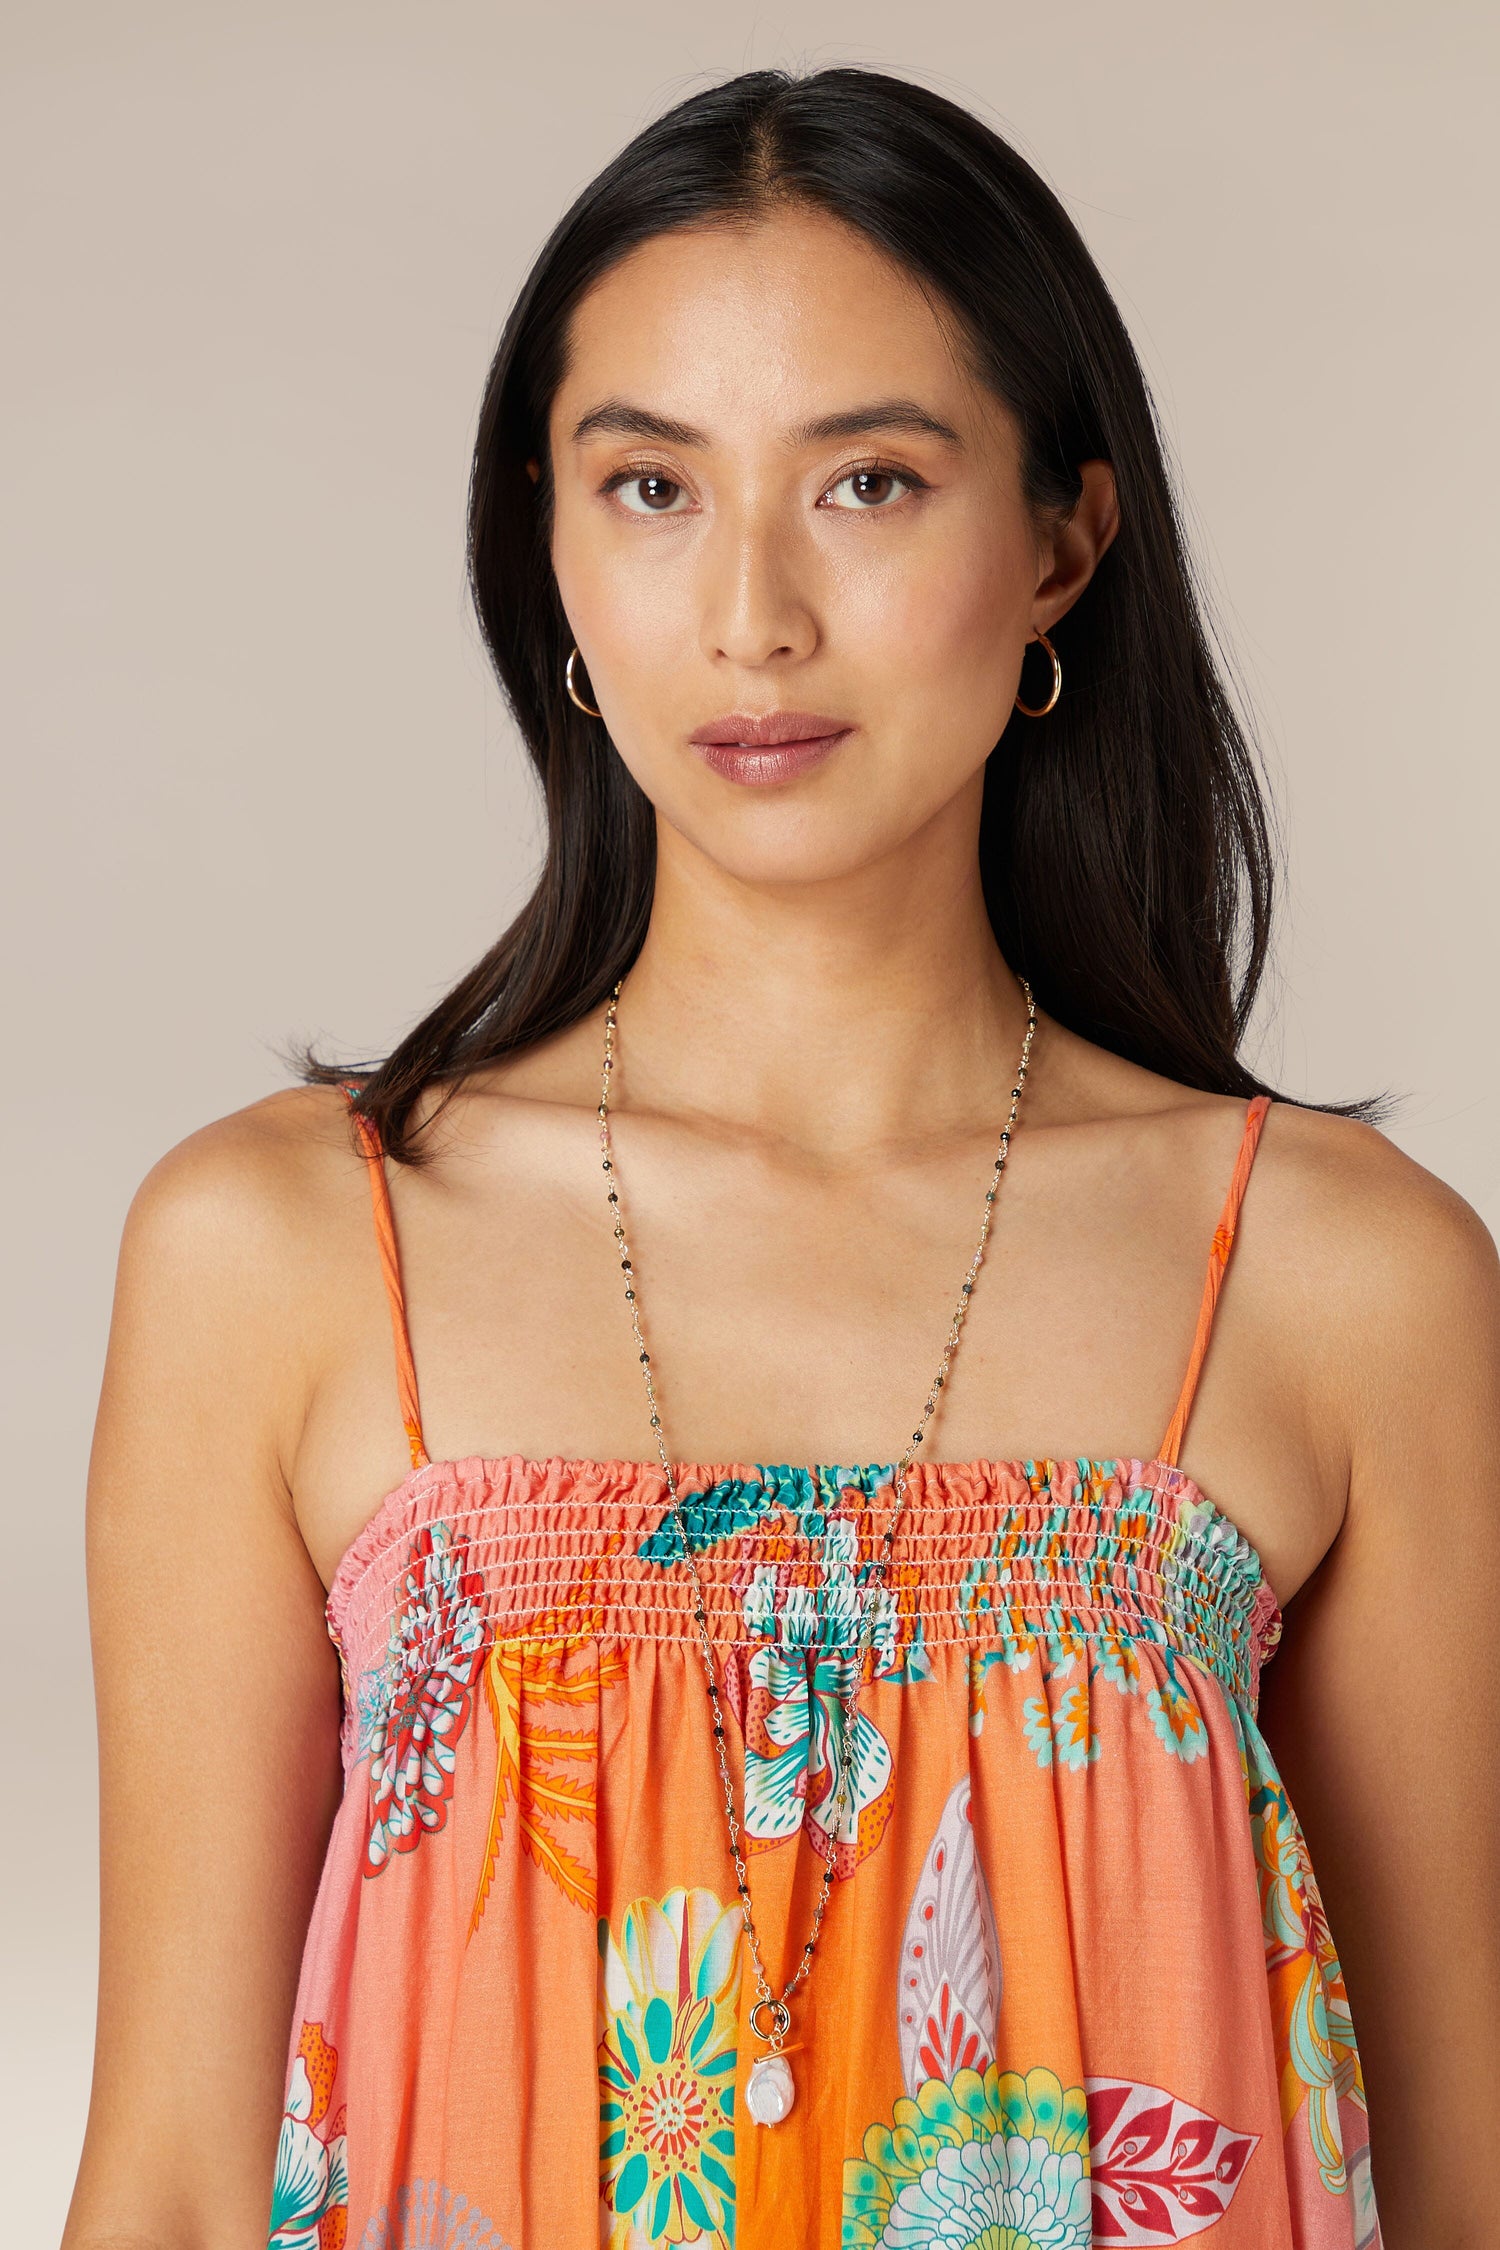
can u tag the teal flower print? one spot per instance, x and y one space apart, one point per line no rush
1176 1717
1063 1733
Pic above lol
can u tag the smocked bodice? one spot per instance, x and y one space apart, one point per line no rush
989 1554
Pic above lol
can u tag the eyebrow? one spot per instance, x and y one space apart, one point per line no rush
622 419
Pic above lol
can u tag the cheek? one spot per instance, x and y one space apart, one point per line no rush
631 599
955 602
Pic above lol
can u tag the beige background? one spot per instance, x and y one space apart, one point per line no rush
259 781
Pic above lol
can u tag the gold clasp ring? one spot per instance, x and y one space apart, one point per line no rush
781 2016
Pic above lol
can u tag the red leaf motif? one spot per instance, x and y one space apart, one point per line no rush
1208 2201
1150 2213
1106 2105
1194 2144
1160 2170
1148 2129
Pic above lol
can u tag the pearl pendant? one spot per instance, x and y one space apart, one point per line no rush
769 2090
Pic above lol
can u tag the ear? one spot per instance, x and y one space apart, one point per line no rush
533 470
1075 548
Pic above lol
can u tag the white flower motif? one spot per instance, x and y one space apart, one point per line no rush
981 2187
310 2176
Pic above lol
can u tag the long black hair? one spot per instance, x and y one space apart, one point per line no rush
1125 849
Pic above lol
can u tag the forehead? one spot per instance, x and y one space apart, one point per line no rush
790 314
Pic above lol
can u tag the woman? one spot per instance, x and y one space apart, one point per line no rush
787 1761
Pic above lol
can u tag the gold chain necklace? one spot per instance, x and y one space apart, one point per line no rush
769 2090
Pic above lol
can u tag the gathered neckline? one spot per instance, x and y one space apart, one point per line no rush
1159 1477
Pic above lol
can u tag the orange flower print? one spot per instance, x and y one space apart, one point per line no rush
310 2193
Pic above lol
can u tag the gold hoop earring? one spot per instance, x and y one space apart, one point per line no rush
573 692
1040 710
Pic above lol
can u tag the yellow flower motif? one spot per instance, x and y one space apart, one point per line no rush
669 2011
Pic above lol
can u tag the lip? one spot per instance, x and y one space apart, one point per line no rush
776 747
777 762
738 730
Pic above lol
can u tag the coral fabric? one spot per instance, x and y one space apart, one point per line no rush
1074 1984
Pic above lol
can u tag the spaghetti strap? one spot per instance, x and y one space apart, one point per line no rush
390 1266
1218 1260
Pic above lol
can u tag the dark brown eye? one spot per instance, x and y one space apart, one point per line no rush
872 489
647 494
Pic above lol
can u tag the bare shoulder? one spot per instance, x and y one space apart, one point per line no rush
250 1213
1369 1212
1391 1277
1370 1287
244 1262
261 1172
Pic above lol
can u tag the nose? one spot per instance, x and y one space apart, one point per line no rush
758 603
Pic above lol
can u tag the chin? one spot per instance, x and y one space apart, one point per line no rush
788 844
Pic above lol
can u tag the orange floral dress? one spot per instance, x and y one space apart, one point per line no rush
1074 1986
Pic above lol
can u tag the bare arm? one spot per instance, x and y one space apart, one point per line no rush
1382 1706
217 1693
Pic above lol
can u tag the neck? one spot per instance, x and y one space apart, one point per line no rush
867 1010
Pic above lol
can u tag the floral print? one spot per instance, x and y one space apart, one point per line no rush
1018 2159
1127 1618
803 1575
1116 1656
948 1982
994 2157
544 1700
1315 2037
1104 1613
372 1695
437 1642
1156 2168
782 1499
669 2000
796 1751
1063 1732
806 1608
1175 1716
425 2215
1160 2170
309 2195
1070 1566
789 1700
